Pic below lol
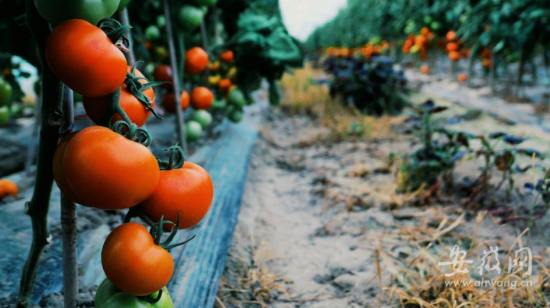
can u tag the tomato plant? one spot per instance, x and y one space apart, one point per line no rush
85 58
134 262
109 296
108 171
58 11
137 110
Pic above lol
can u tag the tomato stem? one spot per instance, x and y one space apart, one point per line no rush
51 119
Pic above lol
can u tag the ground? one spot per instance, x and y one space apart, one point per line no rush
321 225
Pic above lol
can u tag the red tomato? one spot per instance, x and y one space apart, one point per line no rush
202 98
133 262
163 73
108 171
85 59
188 190
168 101
196 61
225 85
227 56
95 106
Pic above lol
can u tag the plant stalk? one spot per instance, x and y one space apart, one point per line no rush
51 121
180 121
68 223
125 21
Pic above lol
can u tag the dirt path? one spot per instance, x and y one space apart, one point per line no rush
321 226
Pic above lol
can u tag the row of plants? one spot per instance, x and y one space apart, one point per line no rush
495 33
83 57
439 150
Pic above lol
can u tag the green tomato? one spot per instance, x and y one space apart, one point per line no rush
427 19
5 92
4 116
463 18
435 26
193 130
190 17
236 98
109 296
58 11
161 21
152 33
203 117
206 2
123 4
219 104
235 115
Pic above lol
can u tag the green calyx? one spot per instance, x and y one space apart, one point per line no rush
115 31
150 298
157 230
132 132
135 87
175 160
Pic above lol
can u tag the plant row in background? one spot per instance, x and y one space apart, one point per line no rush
495 33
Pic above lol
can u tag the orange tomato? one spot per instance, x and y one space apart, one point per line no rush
202 98
486 53
425 69
85 59
169 99
425 31
486 63
227 56
196 61
108 171
8 188
462 77
188 190
451 36
225 85
59 172
452 46
454 56
133 262
96 106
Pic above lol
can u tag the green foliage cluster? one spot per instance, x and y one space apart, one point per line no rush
506 26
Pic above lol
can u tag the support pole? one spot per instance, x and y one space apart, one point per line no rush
180 121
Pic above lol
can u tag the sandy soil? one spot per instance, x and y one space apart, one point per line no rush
320 225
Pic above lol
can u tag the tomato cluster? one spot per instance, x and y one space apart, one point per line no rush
110 166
